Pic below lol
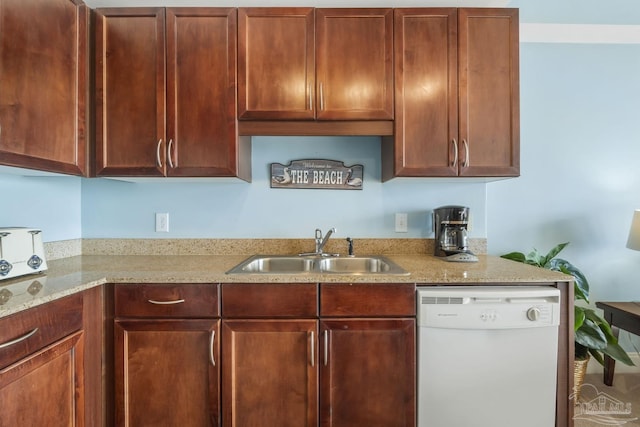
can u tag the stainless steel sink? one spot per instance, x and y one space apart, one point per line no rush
275 264
359 265
287 264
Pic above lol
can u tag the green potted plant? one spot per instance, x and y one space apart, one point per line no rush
593 335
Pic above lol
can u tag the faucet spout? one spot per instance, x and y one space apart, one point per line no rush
320 241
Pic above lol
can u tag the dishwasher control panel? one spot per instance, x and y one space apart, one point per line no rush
488 308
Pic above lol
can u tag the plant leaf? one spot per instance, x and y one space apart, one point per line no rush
514 256
591 336
597 355
552 253
581 285
534 258
614 350
602 324
579 317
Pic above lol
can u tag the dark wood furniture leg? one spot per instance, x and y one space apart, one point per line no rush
620 315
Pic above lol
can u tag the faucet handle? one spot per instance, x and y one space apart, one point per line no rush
318 234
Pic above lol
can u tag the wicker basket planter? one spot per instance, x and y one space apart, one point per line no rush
579 371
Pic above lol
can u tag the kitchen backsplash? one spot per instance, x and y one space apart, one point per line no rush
69 248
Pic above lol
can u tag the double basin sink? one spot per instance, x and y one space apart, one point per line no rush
291 264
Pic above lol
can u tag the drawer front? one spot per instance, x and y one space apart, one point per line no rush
31 330
269 300
167 300
367 299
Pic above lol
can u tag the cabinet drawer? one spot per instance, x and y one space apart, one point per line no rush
269 300
31 330
367 299
161 300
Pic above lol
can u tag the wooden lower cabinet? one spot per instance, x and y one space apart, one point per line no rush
275 354
42 366
365 371
307 355
368 345
269 371
166 355
367 375
45 386
166 372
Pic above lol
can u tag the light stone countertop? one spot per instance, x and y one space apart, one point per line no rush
75 274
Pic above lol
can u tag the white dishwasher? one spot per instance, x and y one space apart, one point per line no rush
487 356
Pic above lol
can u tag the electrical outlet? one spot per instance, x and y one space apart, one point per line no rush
162 222
401 223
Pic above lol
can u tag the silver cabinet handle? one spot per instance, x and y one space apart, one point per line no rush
326 347
455 151
310 98
175 301
19 339
313 349
466 153
321 97
170 153
212 340
158 159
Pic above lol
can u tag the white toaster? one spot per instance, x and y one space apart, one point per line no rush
21 252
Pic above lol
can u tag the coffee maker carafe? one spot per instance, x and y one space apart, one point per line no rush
451 233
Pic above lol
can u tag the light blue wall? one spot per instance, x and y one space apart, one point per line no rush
241 210
49 203
580 178
578 11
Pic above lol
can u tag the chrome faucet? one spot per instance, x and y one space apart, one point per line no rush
320 241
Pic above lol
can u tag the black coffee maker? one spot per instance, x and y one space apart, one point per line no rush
450 225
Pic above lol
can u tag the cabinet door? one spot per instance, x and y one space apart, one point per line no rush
269 373
426 98
130 92
46 387
166 372
201 92
276 63
44 85
354 64
367 373
489 92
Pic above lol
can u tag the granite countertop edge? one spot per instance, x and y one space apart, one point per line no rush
76 274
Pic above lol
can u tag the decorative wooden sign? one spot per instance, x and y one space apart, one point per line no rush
328 174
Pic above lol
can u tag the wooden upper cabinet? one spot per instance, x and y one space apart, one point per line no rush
44 85
166 93
426 124
354 76
489 82
324 64
457 94
276 63
201 92
130 92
